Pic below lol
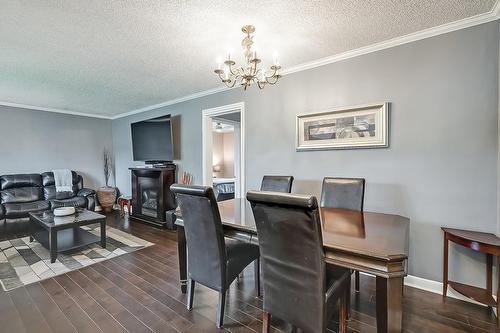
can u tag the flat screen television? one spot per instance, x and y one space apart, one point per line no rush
152 140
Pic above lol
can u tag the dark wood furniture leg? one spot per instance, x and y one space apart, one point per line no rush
53 245
489 274
266 322
389 304
121 202
182 253
103 234
31 229
348 300
356 281
498 288
343 311
445 265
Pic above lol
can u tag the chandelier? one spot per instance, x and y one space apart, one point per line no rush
249 73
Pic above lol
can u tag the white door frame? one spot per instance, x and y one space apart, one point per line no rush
206 136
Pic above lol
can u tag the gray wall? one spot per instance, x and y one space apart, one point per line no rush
36 141
440 169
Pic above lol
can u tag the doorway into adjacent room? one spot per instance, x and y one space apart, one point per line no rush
223 150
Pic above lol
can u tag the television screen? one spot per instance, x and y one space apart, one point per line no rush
152 140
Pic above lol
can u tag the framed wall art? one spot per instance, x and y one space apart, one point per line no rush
363 126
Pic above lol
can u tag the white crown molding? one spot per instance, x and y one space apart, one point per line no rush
496 9
173 101
41 108
492 15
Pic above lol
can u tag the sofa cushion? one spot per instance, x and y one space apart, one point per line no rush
2 212
49 193
48 178
49 186
71 202
21 194
20 180
20 210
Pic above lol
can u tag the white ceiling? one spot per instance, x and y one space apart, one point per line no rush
111 57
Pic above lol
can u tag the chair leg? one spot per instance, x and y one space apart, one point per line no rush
348 300
343 313
403 287
220 309
356 281
266 322
190 294
256 271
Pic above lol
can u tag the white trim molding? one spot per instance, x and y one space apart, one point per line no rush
492 15
206 127
47 109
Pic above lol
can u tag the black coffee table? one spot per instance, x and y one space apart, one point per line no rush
59 234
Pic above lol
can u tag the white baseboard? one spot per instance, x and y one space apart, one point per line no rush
437 288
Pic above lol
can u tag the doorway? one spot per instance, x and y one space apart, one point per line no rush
223 150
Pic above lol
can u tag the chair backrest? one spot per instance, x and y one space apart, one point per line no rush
277 184
346 193
204 234
292 257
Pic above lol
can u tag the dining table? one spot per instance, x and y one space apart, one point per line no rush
369 242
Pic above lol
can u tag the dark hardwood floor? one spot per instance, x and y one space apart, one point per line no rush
139 292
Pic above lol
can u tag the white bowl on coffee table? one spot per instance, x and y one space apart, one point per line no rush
64 211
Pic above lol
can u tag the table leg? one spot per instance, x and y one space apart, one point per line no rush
489 273
31 230
445 265
498 288
389 304
103 234
122 204
181 249
53 245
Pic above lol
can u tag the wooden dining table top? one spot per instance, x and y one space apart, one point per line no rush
375 235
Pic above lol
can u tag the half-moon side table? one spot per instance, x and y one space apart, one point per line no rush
480 242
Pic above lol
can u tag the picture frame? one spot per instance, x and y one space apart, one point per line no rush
361 126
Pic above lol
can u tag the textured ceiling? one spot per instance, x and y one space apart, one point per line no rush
111 57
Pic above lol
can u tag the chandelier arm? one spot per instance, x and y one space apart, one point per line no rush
268 79
231 69
230 85
275 71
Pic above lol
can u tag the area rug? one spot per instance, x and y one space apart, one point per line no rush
22 262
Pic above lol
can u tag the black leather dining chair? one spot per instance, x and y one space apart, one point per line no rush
277 184
213 260
346 193
298 286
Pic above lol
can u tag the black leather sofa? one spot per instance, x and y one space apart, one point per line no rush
21 194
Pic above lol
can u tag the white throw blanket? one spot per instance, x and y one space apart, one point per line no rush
63 179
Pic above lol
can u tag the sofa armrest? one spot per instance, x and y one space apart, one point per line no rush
90 195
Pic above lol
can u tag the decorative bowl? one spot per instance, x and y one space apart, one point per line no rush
64 211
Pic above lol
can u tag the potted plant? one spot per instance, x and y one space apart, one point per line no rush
107 194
